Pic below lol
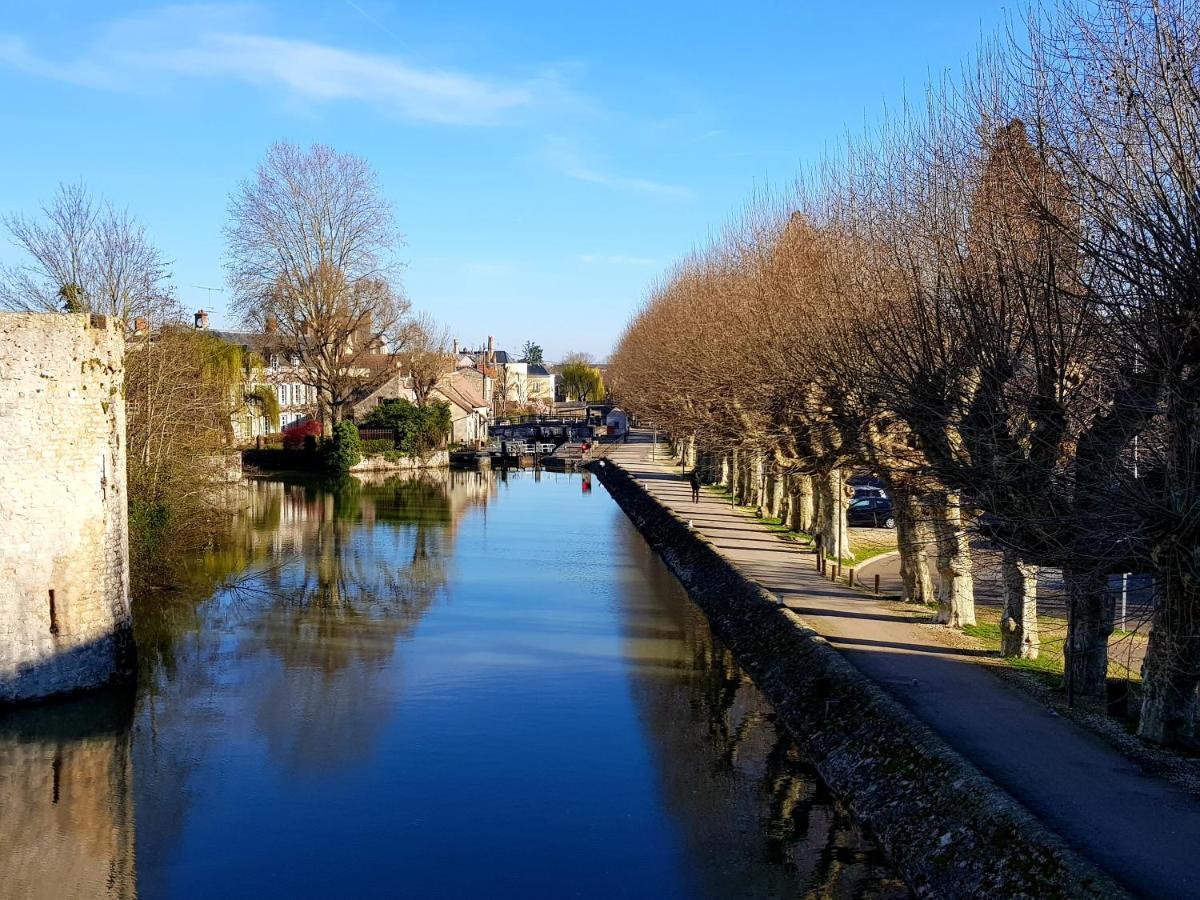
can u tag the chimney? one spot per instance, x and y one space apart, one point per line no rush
201 319
271 325
456 348
140 325
491 354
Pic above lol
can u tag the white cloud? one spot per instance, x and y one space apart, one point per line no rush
616 259
207 42
561 155
624 183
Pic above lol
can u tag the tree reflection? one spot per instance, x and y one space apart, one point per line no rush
354 568
718 748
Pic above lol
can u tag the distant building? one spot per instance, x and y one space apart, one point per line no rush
541 382
470 413
509 376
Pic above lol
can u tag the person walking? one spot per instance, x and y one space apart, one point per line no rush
694 478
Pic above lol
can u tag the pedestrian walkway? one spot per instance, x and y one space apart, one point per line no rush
1139 828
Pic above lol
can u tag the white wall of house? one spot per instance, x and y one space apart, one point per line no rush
541 387
517 381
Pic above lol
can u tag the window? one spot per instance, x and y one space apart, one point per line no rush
281 390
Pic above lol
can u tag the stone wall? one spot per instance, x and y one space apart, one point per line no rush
64 558
949 830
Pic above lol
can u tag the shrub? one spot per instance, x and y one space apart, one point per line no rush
376 448
419 429
295 435
343 449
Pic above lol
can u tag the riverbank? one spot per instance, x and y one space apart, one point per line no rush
916 723
268 461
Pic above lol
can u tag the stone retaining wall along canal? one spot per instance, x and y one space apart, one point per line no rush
949 830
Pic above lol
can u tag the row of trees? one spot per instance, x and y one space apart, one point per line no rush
993 301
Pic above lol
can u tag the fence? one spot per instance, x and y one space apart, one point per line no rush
377 434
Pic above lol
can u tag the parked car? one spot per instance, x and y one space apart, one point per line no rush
862 491
871 512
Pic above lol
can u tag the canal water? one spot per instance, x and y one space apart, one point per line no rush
452 685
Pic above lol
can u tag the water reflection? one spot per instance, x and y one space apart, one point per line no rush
454 684
754 817
66 799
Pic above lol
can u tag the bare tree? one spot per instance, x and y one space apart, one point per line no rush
426 358
84 256
310 247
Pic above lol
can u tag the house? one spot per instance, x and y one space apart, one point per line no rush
509 376
281 374
541 382
470 413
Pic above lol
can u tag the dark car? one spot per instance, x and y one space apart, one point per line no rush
871 512
863 491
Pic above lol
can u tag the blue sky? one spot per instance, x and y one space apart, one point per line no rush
546 160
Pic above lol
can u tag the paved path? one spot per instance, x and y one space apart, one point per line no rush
1141 829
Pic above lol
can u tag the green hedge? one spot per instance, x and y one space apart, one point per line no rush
343 449
419 429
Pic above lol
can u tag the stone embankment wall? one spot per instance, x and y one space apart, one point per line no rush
439 459
64 560
949 830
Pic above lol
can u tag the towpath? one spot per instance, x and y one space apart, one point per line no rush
1139 828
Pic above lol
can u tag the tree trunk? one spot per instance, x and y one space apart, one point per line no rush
785 499
912 541
756 483
956 591
802 504
735 474
724 482
1018 621
1171 671
831 515
1089 625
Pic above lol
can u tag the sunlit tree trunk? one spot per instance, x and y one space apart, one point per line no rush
769 501
756 482
802 504
1018 621
956 589
912 542
831 514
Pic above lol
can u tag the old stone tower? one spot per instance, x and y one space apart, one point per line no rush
64 547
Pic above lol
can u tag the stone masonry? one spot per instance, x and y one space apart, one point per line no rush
64 553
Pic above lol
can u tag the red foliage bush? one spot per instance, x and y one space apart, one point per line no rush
294 434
